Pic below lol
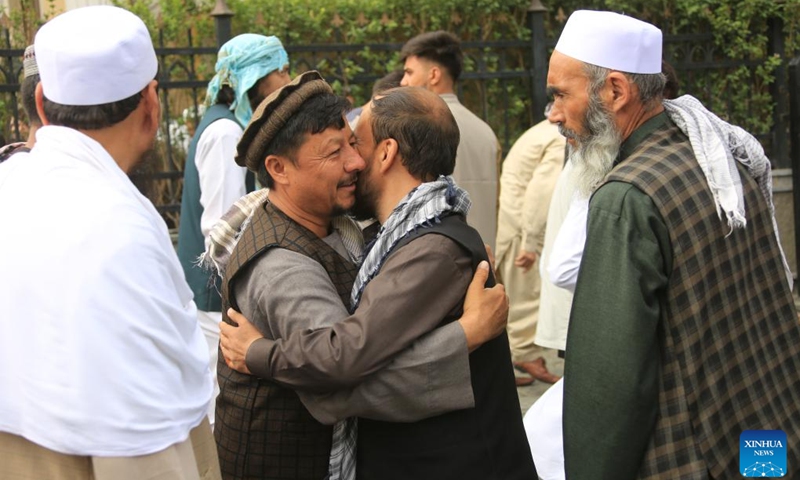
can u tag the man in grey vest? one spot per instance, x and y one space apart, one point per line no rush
249 67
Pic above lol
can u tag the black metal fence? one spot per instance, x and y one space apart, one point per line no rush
504 83
794 112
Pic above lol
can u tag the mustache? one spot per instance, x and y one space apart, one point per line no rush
348 181
566 132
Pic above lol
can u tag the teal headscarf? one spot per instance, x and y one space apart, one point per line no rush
241 63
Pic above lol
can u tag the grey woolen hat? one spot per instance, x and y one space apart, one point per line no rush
273 113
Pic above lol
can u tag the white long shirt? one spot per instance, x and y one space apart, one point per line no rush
101 353
222 182
565 259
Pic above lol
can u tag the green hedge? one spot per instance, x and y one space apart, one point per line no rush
739 28
357 22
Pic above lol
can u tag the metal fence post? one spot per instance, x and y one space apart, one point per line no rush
539 51
222 20
11 76
794 129
780 149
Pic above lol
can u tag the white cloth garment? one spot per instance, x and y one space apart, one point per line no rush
101 353
564 262
543 427
209 325
554 302
221 180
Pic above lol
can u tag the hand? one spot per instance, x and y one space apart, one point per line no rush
485 309
525 260
490 254
235 340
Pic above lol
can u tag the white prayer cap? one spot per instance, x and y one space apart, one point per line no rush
612 41
94 55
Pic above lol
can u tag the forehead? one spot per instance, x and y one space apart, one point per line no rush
364 125
415 62
565 73
331 137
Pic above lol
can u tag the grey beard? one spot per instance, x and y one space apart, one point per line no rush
594 153
592 164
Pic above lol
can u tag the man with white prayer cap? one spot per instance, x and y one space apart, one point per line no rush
249 67
115 383
696 339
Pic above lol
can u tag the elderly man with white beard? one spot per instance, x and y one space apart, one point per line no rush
696 339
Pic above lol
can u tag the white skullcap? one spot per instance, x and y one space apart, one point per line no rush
612 41
94 55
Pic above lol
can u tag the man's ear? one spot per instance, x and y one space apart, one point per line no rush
390 154
276 168
152 105
38 96
434 75
619 91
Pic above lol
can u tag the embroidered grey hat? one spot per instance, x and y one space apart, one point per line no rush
29 66
273 113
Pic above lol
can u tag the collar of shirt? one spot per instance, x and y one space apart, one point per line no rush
449 98
638 135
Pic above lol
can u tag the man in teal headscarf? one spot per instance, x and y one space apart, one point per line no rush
249 67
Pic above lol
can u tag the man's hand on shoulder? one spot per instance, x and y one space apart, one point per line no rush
234 340
485 309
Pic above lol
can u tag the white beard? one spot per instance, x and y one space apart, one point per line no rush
591 166
596 151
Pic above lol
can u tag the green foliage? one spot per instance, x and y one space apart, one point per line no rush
364 37
25 22
170 20
739 29
349 22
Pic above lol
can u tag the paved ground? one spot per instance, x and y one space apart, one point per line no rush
530 393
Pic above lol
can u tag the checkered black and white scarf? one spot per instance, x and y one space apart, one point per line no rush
718 146
421 207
